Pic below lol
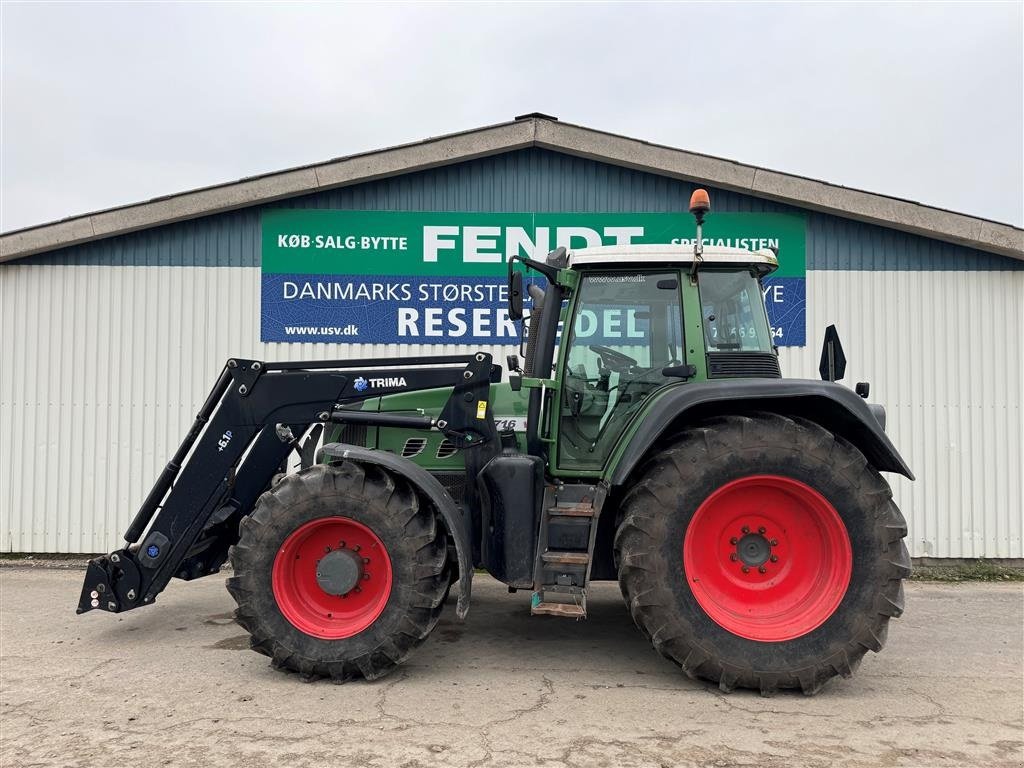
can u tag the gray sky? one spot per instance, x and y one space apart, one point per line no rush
110 104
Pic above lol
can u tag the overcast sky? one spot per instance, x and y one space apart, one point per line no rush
110 104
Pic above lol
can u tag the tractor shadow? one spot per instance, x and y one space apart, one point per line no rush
500 632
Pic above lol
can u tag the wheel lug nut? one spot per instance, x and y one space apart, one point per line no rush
745 569
359 589
366 576
733 540
774 542
761 530
366 560
745 529
734 557
326 550
762 569
774 558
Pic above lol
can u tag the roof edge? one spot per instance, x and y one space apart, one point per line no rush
845 202
267 188
834 199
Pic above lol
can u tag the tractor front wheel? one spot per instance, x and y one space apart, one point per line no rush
340 572
762 552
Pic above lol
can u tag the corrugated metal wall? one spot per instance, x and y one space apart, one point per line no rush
105 367
109 348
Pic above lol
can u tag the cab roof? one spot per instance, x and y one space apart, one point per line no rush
764 260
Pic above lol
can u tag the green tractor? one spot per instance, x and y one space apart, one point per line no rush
648 438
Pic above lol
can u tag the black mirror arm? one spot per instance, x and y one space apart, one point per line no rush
551 273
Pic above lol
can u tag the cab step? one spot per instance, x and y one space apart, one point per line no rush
568 610
566 558
581 509
568 533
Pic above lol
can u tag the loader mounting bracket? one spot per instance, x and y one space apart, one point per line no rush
244 374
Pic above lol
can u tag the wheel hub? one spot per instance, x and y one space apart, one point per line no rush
767 558
332 577
753 550
339 571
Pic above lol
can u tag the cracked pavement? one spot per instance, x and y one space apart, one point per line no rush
175 685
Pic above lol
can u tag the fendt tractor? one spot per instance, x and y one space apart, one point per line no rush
744 515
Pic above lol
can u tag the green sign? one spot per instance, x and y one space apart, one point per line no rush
318 242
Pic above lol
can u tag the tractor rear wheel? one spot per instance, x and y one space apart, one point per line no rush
762 552
340 571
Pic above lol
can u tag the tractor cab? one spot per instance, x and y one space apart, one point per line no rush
640 322
632 321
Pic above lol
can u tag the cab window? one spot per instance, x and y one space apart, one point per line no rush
625 330
734 313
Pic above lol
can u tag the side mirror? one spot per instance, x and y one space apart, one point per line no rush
833 362
515 296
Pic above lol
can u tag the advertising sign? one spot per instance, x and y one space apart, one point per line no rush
397 277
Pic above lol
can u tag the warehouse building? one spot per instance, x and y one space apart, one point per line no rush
114 324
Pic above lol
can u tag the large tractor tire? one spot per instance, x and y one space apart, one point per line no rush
762 552
340 571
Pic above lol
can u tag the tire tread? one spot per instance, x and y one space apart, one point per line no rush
640 531
427 594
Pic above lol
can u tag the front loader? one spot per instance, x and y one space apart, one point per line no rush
649 438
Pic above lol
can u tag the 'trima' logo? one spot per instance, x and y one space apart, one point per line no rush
360 384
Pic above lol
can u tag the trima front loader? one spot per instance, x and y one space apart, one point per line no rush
653 442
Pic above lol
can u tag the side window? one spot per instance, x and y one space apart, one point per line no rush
625 330
733 310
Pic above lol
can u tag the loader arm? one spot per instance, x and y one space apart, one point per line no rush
254 417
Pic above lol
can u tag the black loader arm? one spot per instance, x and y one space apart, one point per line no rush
254 417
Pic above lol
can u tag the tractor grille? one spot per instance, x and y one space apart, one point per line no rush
725 365
413 447
352 434
454 483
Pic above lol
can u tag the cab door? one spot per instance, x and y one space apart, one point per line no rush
624 329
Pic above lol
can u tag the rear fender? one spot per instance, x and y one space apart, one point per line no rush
459 525
831 405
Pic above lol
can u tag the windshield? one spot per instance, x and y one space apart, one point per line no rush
734 314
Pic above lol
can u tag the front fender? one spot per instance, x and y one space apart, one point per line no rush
832 405
458 524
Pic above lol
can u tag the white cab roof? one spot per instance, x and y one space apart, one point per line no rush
614 255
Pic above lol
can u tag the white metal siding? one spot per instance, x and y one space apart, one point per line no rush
103 369
943 352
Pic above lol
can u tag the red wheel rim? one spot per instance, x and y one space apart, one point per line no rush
768 558
298 578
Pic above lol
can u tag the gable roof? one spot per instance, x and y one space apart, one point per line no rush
532 130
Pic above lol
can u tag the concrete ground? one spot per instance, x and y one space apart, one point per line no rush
174 684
